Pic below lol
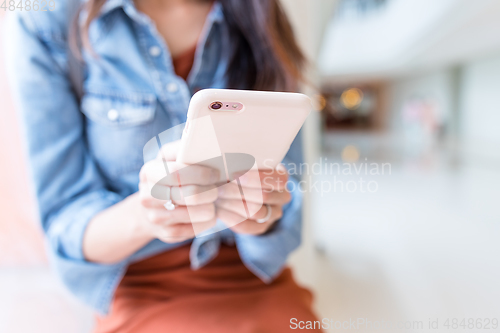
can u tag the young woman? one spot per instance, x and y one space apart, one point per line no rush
115 246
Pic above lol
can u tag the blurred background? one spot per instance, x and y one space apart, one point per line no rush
411 87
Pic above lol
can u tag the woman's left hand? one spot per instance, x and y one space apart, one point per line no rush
260 188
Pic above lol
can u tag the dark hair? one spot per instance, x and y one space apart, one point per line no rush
265 54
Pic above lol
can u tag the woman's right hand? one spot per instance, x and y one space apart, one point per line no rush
192 191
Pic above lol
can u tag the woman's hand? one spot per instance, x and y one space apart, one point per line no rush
192 191
120 230
260 188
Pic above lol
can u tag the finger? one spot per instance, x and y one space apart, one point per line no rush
236 224
201 227
181 214
262 213
273 180
238 206
170 173
192 195
175 233
229 218
279 198
169 151
234 215
182 232
188 195
276 213
232 191
156 169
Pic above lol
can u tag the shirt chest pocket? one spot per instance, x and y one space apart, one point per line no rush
117 129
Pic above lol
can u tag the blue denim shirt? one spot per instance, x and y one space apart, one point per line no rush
85 158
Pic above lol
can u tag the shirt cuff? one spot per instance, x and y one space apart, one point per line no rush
66 229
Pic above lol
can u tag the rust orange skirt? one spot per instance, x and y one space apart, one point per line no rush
163 295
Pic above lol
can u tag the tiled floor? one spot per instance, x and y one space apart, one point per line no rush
425 245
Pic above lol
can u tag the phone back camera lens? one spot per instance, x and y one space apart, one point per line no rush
216 105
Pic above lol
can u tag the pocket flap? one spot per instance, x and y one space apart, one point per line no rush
119 109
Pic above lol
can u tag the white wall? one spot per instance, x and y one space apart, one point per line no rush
480 101
478 104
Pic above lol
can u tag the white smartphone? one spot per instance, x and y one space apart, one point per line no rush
235 130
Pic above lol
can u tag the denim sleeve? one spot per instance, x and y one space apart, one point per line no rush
265 255
68 186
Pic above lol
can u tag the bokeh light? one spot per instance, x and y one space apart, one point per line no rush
319 102
351 98
350 154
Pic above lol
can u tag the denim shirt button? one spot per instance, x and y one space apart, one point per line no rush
113 115
172 87
154 51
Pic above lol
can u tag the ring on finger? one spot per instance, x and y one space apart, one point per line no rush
268 215
169 205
